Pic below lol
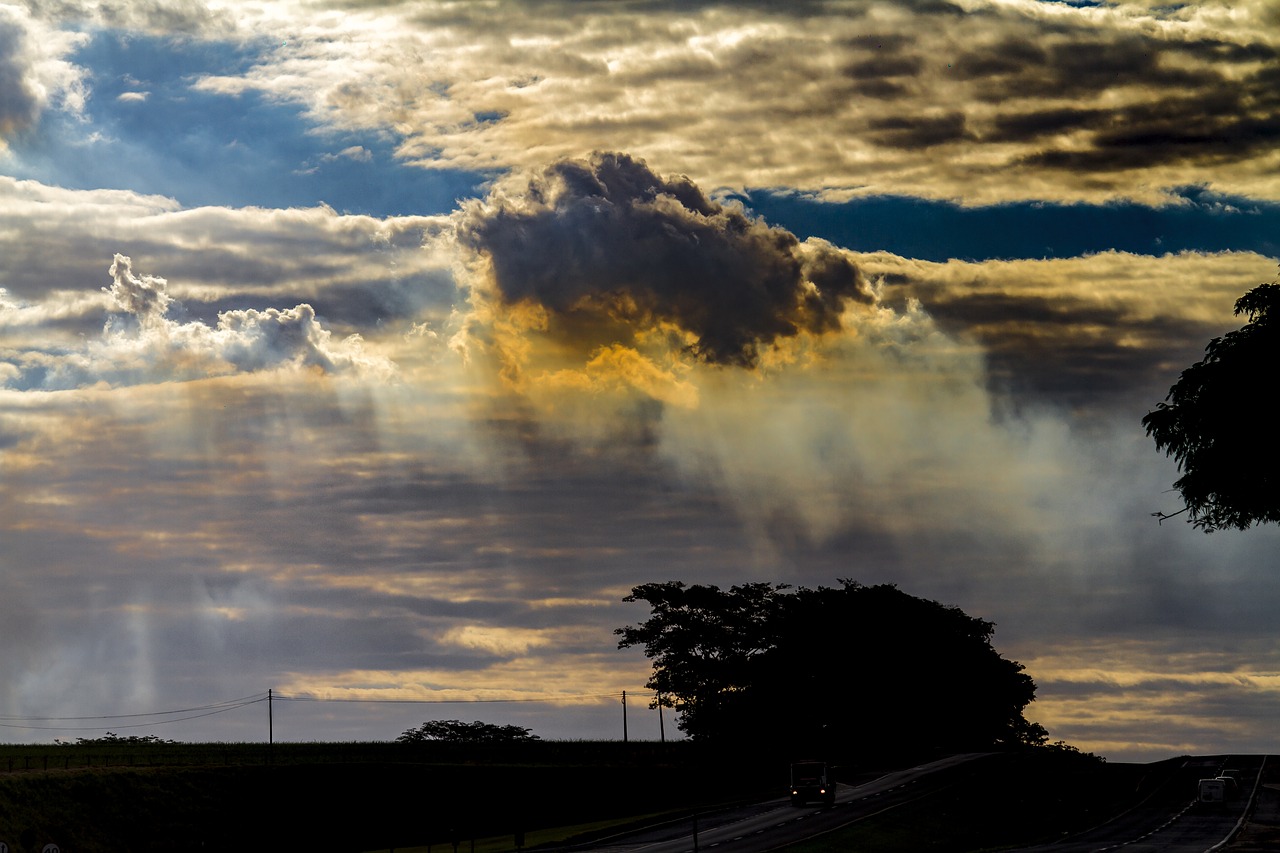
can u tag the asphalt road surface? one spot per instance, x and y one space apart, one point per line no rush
775 823
1168 820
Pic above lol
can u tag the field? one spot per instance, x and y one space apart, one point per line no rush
380 796
341 796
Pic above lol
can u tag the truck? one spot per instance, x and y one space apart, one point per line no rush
1211 791
811 782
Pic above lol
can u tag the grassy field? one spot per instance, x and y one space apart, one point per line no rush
380 796
345 796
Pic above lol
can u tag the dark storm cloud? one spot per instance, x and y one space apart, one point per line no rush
1172 141
609 238
915 132
1207 99
1071 60
1232 121
885 74
1067 68
1004 58
1023 127
885 66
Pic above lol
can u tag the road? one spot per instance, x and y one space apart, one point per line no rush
1166 821
775 823
1169 821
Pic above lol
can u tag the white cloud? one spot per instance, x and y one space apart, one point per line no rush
141 344
858 98
253 276
352 152
34 72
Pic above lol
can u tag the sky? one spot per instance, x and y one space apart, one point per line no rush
370 352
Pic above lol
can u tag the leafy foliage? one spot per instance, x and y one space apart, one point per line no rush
1216 422
829 669
456 731
705 642
113 739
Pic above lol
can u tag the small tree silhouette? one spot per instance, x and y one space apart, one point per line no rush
456 731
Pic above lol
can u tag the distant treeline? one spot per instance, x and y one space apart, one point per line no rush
97 753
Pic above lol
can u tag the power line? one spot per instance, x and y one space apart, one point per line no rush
551 698
207 713
9 721
227 705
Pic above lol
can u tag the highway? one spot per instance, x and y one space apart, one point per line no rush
1169 820
1166 821
773 824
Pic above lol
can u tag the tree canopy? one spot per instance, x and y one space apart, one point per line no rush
113 739
1217 422
850 667
456 731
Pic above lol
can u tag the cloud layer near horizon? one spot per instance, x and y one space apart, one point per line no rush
471 527
425 456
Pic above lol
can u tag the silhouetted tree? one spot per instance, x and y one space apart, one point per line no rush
849 668
703 641
456 731
113 739
1217 422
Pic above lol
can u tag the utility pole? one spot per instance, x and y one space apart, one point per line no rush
624 716
271 733
662 729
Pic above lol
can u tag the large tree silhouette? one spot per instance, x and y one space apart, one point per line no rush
851 668
1218 423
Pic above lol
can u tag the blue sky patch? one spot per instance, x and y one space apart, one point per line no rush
146 129
1203 221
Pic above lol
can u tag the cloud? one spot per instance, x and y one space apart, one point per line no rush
606 247
356 271
1099 331
187 17
19 104
417 532
141 343
657 377
618 304
142 297
1124 100
352 152
33 72
258 340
